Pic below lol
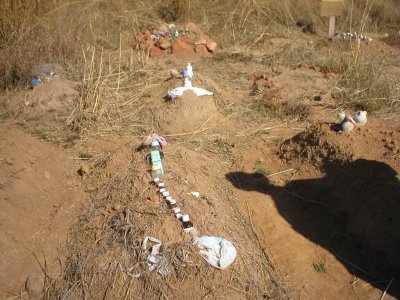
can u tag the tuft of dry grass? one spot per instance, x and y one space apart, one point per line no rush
363 83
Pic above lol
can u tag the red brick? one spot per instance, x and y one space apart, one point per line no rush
180 47
201 49
210 44
187 40
156 52
164 43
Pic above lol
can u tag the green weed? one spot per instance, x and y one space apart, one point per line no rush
320 267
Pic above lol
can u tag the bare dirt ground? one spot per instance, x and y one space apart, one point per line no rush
313 213
40 198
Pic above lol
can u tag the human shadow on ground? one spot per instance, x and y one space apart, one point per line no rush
353 212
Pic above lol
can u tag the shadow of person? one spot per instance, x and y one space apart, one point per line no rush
353 212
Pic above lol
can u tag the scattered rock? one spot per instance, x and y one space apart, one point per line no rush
201 41
187 40
146 45
181 40
156 52
211 45
179 47
164 43
201 49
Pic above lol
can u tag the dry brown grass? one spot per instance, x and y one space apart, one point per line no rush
52 31
107 240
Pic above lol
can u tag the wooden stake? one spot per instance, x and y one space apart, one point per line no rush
332 20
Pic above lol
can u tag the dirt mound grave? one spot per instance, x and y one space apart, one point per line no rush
126 207
39 197
320 145
46 100
187 114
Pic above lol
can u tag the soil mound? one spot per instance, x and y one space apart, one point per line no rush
39 199
106 245
187 114
320 145
50 98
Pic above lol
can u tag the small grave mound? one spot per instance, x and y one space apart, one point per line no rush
188 113
319 145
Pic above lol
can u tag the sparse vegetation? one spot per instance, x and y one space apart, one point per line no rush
119 92
260 169
320 267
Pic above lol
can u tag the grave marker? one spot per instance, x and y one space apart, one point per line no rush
331 9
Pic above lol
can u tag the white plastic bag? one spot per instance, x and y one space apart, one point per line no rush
218 252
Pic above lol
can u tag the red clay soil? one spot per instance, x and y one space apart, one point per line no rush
40 197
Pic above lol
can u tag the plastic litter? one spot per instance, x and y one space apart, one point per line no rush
36 82
153 260
195 194
178 92
218 252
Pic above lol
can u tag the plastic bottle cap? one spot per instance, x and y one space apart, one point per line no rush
155 143
169 198
176 210
185 218
165 194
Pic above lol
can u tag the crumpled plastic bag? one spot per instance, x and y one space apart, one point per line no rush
178 92
218 252
153 260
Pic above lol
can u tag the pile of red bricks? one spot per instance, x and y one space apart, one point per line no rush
168 39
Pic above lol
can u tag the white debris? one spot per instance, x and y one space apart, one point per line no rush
153 260
189 70
195 194
347 124
360 118
218 252
178 92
